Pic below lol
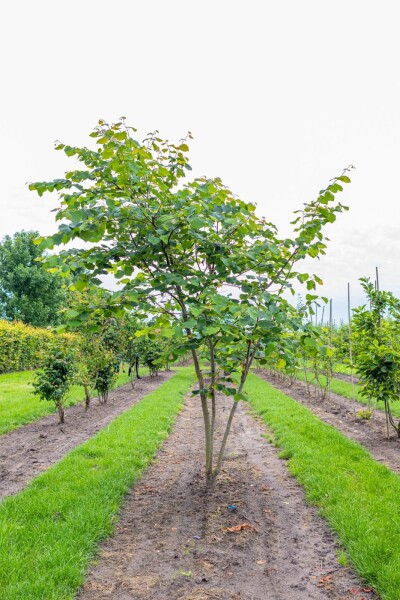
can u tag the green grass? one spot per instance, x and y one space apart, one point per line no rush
50 531
342 368
19 406
359 497
344 388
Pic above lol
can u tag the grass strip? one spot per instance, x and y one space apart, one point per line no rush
345 369
18 405
50 531
344 388
359 497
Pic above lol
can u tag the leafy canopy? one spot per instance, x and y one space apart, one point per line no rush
28 292
188 252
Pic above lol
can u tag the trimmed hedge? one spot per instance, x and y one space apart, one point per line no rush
22 347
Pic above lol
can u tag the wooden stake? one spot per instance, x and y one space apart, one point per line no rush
350 343
377 290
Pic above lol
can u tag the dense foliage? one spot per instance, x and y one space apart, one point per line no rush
28 292
54 381
23 347
376 329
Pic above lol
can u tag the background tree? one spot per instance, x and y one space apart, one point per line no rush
102 341
28 292
376 330
188 252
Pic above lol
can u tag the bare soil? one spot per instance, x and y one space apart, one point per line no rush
172 541
33 448
341 413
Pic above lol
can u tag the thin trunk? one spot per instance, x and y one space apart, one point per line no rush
213 379
213 413
206 416
378 298
87 396
246 368
60 413
224 439
208 438
387 419
391 420
200 379
353 393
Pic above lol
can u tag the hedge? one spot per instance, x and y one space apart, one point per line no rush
22 347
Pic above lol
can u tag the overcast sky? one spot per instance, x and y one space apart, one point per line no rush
279 96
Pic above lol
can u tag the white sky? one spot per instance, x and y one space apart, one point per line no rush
279 96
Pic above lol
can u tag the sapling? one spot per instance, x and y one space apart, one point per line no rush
53 383
376 348
106 375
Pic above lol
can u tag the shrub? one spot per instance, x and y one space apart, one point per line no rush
54 382
23 347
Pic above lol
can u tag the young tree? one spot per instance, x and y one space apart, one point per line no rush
377 355
54 381
189 252
28 292
102 342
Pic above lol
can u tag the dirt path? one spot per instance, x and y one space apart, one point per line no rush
33 448
171 542
341 413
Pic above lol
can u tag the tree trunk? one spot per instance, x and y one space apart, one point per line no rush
87 396
225 439
60 413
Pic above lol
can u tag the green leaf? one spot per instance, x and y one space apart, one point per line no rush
153 240
198 222
107 153
211 330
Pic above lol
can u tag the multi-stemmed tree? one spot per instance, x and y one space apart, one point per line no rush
190 253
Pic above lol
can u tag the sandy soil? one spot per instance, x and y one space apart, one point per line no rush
173 543
341 413
33 448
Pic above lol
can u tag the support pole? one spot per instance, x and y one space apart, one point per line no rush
350 343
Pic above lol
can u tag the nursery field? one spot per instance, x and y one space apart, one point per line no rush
68 509
19 406
29 450
261 470
343 387
294 513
